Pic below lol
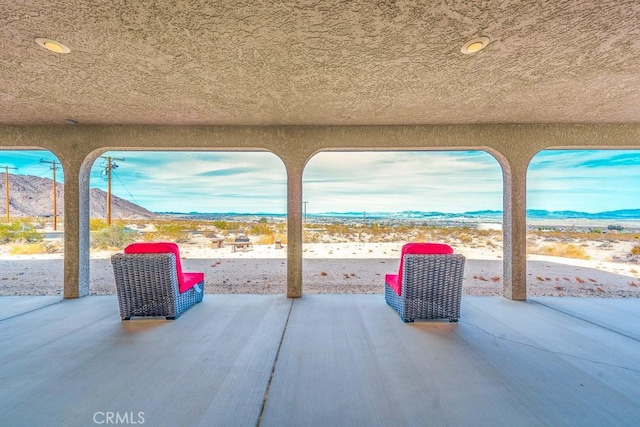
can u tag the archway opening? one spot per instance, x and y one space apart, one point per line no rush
583 220
204 201
360 208
31 223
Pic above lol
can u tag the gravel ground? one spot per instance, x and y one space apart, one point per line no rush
268 275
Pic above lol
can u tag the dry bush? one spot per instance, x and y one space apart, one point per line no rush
170 231
221 225
96 224
28 248
261 228
465 238
635 250
340 230
19 231
564 250
490 244
311 237
113 237
270 239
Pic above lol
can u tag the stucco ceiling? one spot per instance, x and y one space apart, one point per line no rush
274 62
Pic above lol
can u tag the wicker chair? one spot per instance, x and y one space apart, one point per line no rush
150 281
428 284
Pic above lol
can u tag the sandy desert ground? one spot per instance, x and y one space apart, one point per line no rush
344 268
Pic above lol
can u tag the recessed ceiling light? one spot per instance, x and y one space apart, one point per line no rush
475 45
52 45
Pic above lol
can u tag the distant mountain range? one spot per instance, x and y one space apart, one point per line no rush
32 196
623 214
440 217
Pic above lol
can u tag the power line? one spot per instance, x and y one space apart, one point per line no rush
126 189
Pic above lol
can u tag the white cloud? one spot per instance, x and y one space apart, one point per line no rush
586 180
393 181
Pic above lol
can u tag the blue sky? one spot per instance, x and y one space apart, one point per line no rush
255 182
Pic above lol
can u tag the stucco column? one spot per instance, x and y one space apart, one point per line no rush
76 230
515 229
294 230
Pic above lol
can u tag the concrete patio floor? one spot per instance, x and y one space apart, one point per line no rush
325 360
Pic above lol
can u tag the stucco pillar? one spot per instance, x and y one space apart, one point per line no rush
76 230
294 230
515 228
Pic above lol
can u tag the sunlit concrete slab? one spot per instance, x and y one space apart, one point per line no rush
350 360
67 363
620 315
266 360
11 306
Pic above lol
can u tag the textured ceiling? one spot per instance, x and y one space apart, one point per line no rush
276 62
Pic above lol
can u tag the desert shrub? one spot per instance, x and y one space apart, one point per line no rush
96 224
19 231
259 229
222 225
311 237
564 250
114 237
379 231
339 230
28 248
270 239
465 238
170 231
266 239
635 250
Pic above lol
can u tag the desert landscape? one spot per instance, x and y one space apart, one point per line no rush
341 258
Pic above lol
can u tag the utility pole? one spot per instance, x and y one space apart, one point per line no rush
305 212
6 187
110 166
54 166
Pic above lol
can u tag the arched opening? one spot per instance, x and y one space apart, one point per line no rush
583 221
31 223
204 201
361 207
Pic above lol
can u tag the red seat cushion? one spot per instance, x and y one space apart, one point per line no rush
185 280
191 279
395 280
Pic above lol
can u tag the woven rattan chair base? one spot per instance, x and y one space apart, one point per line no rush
431 287
147 285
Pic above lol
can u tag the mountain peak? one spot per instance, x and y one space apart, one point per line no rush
31 196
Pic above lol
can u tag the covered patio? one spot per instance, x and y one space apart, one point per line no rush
297 78
320 360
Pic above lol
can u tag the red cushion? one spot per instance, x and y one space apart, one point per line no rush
395 280
185 280
392 281
191 279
